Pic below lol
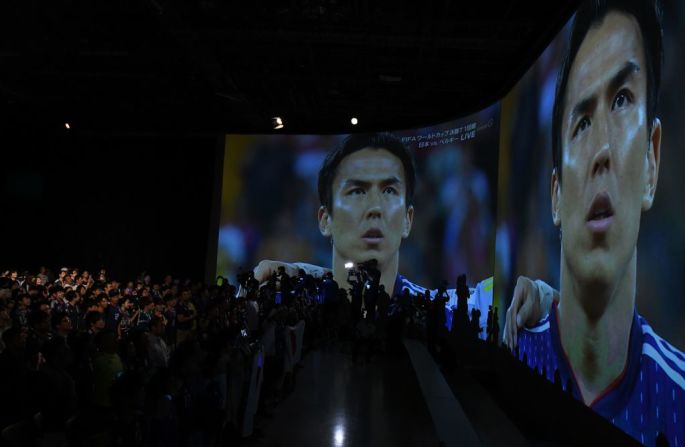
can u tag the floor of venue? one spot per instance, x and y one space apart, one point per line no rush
342 402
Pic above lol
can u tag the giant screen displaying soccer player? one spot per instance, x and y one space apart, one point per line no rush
590 203
419 204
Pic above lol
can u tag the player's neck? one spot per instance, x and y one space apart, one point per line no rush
388 273
594 326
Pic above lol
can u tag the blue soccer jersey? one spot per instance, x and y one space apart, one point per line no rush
480 298
646 399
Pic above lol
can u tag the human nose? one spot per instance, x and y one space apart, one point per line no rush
601 159
374 208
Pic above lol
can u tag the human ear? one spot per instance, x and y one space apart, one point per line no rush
652 165
555 190
408 220
324 221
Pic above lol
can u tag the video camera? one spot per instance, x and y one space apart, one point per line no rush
365 273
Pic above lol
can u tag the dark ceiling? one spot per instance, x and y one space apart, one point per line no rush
207 66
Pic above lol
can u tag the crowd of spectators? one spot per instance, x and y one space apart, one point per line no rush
88 360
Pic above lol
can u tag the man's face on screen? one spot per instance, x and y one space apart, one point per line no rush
606 155
370 214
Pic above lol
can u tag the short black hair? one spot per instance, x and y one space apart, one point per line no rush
591 13
37 317
156 320
57 318
93 317
357 142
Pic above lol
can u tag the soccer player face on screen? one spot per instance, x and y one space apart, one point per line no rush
609 156
368 215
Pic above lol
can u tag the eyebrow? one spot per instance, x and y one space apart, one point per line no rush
365 184
624 74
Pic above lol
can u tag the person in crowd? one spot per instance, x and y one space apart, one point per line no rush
186 317
170 303
107 366
158 351
142 317
62 325
63 272
113 311
94 322
58 300
21 310
15 373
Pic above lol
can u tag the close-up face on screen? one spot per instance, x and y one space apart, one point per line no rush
422 199
589 203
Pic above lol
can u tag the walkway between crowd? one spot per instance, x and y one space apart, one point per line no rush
338 402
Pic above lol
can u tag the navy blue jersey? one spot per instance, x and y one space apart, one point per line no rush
480 298
144 320
112 317
646 399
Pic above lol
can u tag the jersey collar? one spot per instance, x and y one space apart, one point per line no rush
616 396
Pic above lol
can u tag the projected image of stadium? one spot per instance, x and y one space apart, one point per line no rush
590 202
416 205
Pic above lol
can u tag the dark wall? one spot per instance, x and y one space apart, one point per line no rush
125 203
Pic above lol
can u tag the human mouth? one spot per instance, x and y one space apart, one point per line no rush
373 236
601 214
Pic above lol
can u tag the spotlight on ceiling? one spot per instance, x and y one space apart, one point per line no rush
277 122
67 126
354 121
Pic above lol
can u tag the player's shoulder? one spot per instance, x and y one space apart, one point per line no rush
535 337
667 357
535 346
539 328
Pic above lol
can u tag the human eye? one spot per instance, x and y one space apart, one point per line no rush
356 191
390 190
583 124
622 99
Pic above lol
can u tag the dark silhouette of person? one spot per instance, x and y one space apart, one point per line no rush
489 327
329 289
383 303
495 326
557 379
475 323
283 282
462 314
405 299
424 301
372 277
356 298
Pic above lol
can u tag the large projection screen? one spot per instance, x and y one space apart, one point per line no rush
602 222
270 201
